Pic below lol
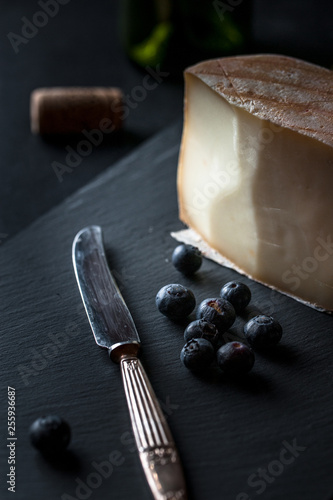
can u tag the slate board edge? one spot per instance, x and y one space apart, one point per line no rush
113 171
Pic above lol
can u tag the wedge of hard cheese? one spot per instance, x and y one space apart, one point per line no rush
255 174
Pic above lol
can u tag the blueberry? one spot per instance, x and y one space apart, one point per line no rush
197 354
235 358
50 434
175 301
217 311
202 329
187 259
237 293
263 331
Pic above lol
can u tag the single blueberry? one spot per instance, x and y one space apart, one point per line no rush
50 434
175 301
217 311
187 259
235 358
263 331
201 329
237 293
197 354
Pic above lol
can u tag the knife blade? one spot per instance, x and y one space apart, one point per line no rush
114 329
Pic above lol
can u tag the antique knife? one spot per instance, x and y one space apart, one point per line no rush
114 329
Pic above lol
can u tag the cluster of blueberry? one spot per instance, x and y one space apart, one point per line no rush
214 317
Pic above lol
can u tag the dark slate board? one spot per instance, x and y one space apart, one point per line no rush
225 431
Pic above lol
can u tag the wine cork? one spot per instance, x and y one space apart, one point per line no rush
70 110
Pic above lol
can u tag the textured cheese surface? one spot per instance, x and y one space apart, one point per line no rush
259 192
287 91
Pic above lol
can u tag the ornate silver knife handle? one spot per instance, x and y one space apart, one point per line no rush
157 451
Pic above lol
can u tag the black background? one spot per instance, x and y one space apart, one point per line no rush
225 432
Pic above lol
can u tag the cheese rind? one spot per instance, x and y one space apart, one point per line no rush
254 180
288 92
